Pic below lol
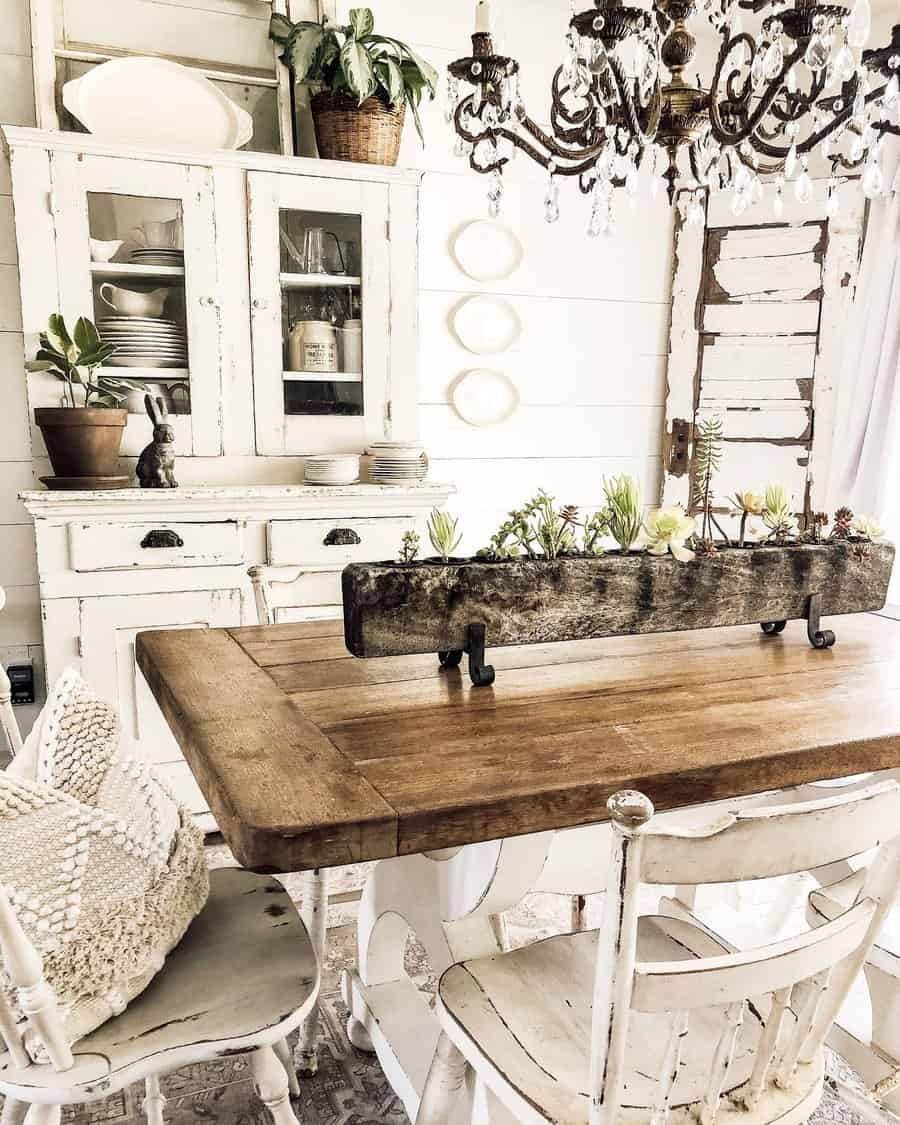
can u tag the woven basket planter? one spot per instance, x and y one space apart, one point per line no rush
345 130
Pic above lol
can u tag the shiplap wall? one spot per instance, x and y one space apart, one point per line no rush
20 621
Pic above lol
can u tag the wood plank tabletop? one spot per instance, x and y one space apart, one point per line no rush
312 758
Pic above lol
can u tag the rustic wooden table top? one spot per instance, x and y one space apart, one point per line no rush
310 757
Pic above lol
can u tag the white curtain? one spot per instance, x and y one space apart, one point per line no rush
865 468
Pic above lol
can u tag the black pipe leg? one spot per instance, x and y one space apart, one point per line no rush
773 628
818 638
481 674
451 659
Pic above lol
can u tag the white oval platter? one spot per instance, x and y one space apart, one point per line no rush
155 101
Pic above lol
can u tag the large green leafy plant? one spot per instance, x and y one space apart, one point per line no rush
72 360
352 59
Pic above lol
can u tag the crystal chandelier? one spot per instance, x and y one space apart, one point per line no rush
623 105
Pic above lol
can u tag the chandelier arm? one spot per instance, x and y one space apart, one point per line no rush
801 103
587 154
642 134
723 135
557 104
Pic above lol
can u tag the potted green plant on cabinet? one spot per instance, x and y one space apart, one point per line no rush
84 434
361 83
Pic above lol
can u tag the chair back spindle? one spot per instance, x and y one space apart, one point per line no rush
803 979
36 997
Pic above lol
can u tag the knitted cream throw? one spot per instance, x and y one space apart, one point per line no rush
104 868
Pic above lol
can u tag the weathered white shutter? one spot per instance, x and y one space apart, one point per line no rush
757 316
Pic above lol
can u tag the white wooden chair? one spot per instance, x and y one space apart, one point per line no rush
678 1024
242 978
869 1039
151 1038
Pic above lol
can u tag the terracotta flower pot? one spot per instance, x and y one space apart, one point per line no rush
82 442
345 130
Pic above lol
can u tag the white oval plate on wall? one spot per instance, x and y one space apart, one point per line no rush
487 251
485 398
486 325
156 101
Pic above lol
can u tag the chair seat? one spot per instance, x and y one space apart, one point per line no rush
830 901
526 1016
244 974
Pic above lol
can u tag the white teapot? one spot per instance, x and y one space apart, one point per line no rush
129 302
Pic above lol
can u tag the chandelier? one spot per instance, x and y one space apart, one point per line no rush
623 105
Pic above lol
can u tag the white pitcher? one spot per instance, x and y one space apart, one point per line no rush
129 302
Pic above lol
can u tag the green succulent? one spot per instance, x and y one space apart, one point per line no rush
624 509
409 547
442 533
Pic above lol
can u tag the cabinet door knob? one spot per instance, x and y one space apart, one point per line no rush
162 537
342 537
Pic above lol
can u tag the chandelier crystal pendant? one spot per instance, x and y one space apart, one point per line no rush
624 105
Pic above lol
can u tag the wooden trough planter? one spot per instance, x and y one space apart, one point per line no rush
396 609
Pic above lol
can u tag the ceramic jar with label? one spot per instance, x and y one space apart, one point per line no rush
351 339
319 347
295 345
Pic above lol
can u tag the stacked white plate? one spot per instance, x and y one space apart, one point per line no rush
332 468
157 256
398 462
143 341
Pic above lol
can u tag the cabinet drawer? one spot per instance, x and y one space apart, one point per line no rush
302 542
150 546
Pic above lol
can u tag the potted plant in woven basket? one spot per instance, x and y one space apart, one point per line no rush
82 435
361 84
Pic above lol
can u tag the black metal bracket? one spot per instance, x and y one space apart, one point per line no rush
481 674
818 638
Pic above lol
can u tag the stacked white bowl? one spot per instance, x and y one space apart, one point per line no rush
398 462
332 468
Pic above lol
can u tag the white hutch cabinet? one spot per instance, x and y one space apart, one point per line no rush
267 241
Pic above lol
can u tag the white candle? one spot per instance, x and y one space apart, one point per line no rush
483 15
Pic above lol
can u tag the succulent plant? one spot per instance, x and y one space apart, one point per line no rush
667 529
409 547
624 509
843 523
779 517
748 504
442 533
707 462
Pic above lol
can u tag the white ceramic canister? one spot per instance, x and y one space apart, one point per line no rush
351 338
295 345
319 346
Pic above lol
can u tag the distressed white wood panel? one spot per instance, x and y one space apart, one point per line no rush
769 242
762 420
233 269
742 278
18 564
15 476
402 382
554 431
7 232
20 621
725 391
234 34
14 418
5 178
762 318
757 359
559 260
719 213
572 351
10 304
16 90
753 465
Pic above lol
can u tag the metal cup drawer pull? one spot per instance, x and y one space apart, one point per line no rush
342 537
162 538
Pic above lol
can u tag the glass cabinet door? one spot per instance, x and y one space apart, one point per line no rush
320 301
136 254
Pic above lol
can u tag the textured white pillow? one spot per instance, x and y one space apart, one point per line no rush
104 868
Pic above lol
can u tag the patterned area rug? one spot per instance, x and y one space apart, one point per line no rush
350 1088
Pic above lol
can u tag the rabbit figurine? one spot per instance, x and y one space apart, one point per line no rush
156 465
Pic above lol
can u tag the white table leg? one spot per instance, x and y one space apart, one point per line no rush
314 912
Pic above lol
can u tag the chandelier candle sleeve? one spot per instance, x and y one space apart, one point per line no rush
483 16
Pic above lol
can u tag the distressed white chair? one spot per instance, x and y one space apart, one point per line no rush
243 977
678 1023
873 1047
